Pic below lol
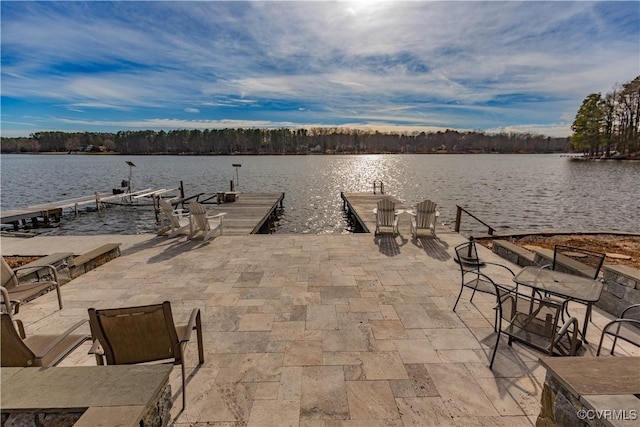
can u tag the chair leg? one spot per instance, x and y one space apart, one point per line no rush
59 295
458 299
495 349
184 380
199 336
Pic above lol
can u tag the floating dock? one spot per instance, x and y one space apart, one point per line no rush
49 212
249 213
361 206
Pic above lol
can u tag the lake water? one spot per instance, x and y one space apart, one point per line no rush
518 192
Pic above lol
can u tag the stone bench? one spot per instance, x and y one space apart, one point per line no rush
94 258
514 253
60 260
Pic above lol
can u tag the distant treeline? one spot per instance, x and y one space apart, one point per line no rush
282 141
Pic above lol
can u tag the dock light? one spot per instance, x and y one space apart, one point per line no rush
236 165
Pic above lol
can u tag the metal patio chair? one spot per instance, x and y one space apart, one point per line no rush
534 321
143 334
25 291
626 327
18 350
577 261
471 277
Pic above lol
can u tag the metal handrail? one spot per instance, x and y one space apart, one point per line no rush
459 217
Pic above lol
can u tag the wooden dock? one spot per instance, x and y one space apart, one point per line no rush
47 212
249 213
361 206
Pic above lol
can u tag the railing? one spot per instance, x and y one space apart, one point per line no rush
378 185
459 217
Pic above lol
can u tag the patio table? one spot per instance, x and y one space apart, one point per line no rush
566 286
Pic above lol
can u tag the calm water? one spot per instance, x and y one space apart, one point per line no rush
506 191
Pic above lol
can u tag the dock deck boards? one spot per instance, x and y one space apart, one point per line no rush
248 213
361 206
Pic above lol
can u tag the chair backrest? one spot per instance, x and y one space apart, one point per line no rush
426 214
13 351
584 262
528 312
198 214
9 279
467 257
386 212
168 212
136 334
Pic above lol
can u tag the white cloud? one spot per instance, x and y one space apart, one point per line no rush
480 65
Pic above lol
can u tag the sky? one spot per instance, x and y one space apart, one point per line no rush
378 65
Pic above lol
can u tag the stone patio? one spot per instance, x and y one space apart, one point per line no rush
322 331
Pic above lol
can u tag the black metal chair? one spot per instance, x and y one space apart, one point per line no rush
626 327
471 276
577 261
534 321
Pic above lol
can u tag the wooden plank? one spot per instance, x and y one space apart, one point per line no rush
248 213
363 204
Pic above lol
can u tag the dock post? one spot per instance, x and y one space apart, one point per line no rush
458 218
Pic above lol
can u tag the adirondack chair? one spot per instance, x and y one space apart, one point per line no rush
178 221
386 216
25 291
424 218
203 223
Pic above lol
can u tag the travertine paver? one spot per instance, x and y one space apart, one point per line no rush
326 331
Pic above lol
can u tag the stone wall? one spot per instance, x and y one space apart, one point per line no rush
561 408
621 288
158 415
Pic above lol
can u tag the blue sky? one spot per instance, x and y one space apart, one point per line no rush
399 66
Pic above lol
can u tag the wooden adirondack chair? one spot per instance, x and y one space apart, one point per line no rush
203 223
178 221
386 216
424 218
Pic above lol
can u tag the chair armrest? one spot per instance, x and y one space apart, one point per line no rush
97 350
193 321
54 271
500 265
64 335
574 334
220 215
631 307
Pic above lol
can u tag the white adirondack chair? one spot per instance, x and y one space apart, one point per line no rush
386 216
203 223
424 218
178 221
